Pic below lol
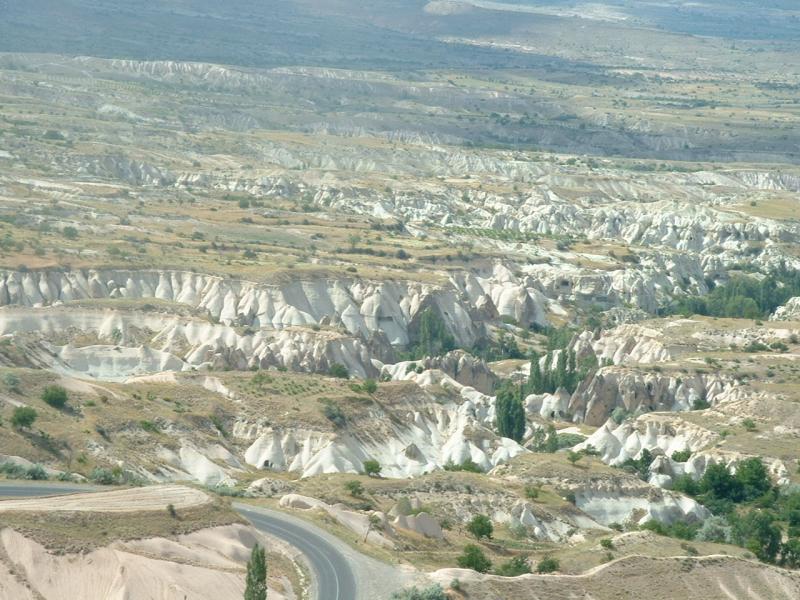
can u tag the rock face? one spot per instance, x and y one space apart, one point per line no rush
656 433
612 504
457 365
421 523
548 406
363 308
612 387
662 435
137 344
626 344
788 312
421 435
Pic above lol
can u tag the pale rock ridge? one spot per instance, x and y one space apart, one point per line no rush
662 435
364 308
655 433
626 344
457 365
418 437
788 312
612 387
611 503
548 406
137 344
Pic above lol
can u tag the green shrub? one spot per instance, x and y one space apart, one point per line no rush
13 470
619 414
333 412
354 488
434 592
516 566
55 395
473 558
23 417
372 467
715 529
468 465
114 476
339 371
102 476
532 492
37 473
481 527
548 565
573 457
148 426
681 456
607 543
227 491
12 382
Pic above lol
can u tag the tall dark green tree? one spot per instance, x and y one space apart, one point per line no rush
509 413
434 338
535 383
256 585
561 375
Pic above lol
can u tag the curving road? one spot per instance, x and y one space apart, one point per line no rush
30 490
334 576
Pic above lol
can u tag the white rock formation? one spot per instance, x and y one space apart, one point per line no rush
613 504
626 344
456 365
362 307
788 312
633 390
137 344
617 443
422 435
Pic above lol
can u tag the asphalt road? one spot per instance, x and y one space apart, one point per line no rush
30 490
334 577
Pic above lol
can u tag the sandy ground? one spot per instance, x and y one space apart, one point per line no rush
118 501
206 564
634 577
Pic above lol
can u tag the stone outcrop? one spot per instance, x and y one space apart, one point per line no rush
633 390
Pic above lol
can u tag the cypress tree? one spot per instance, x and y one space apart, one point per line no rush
509 414
561 378
256 585
535 383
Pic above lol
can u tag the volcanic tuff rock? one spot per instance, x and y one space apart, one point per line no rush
626 344
420 435
663 435
788 312
457 365
132 344
612 387
361 307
